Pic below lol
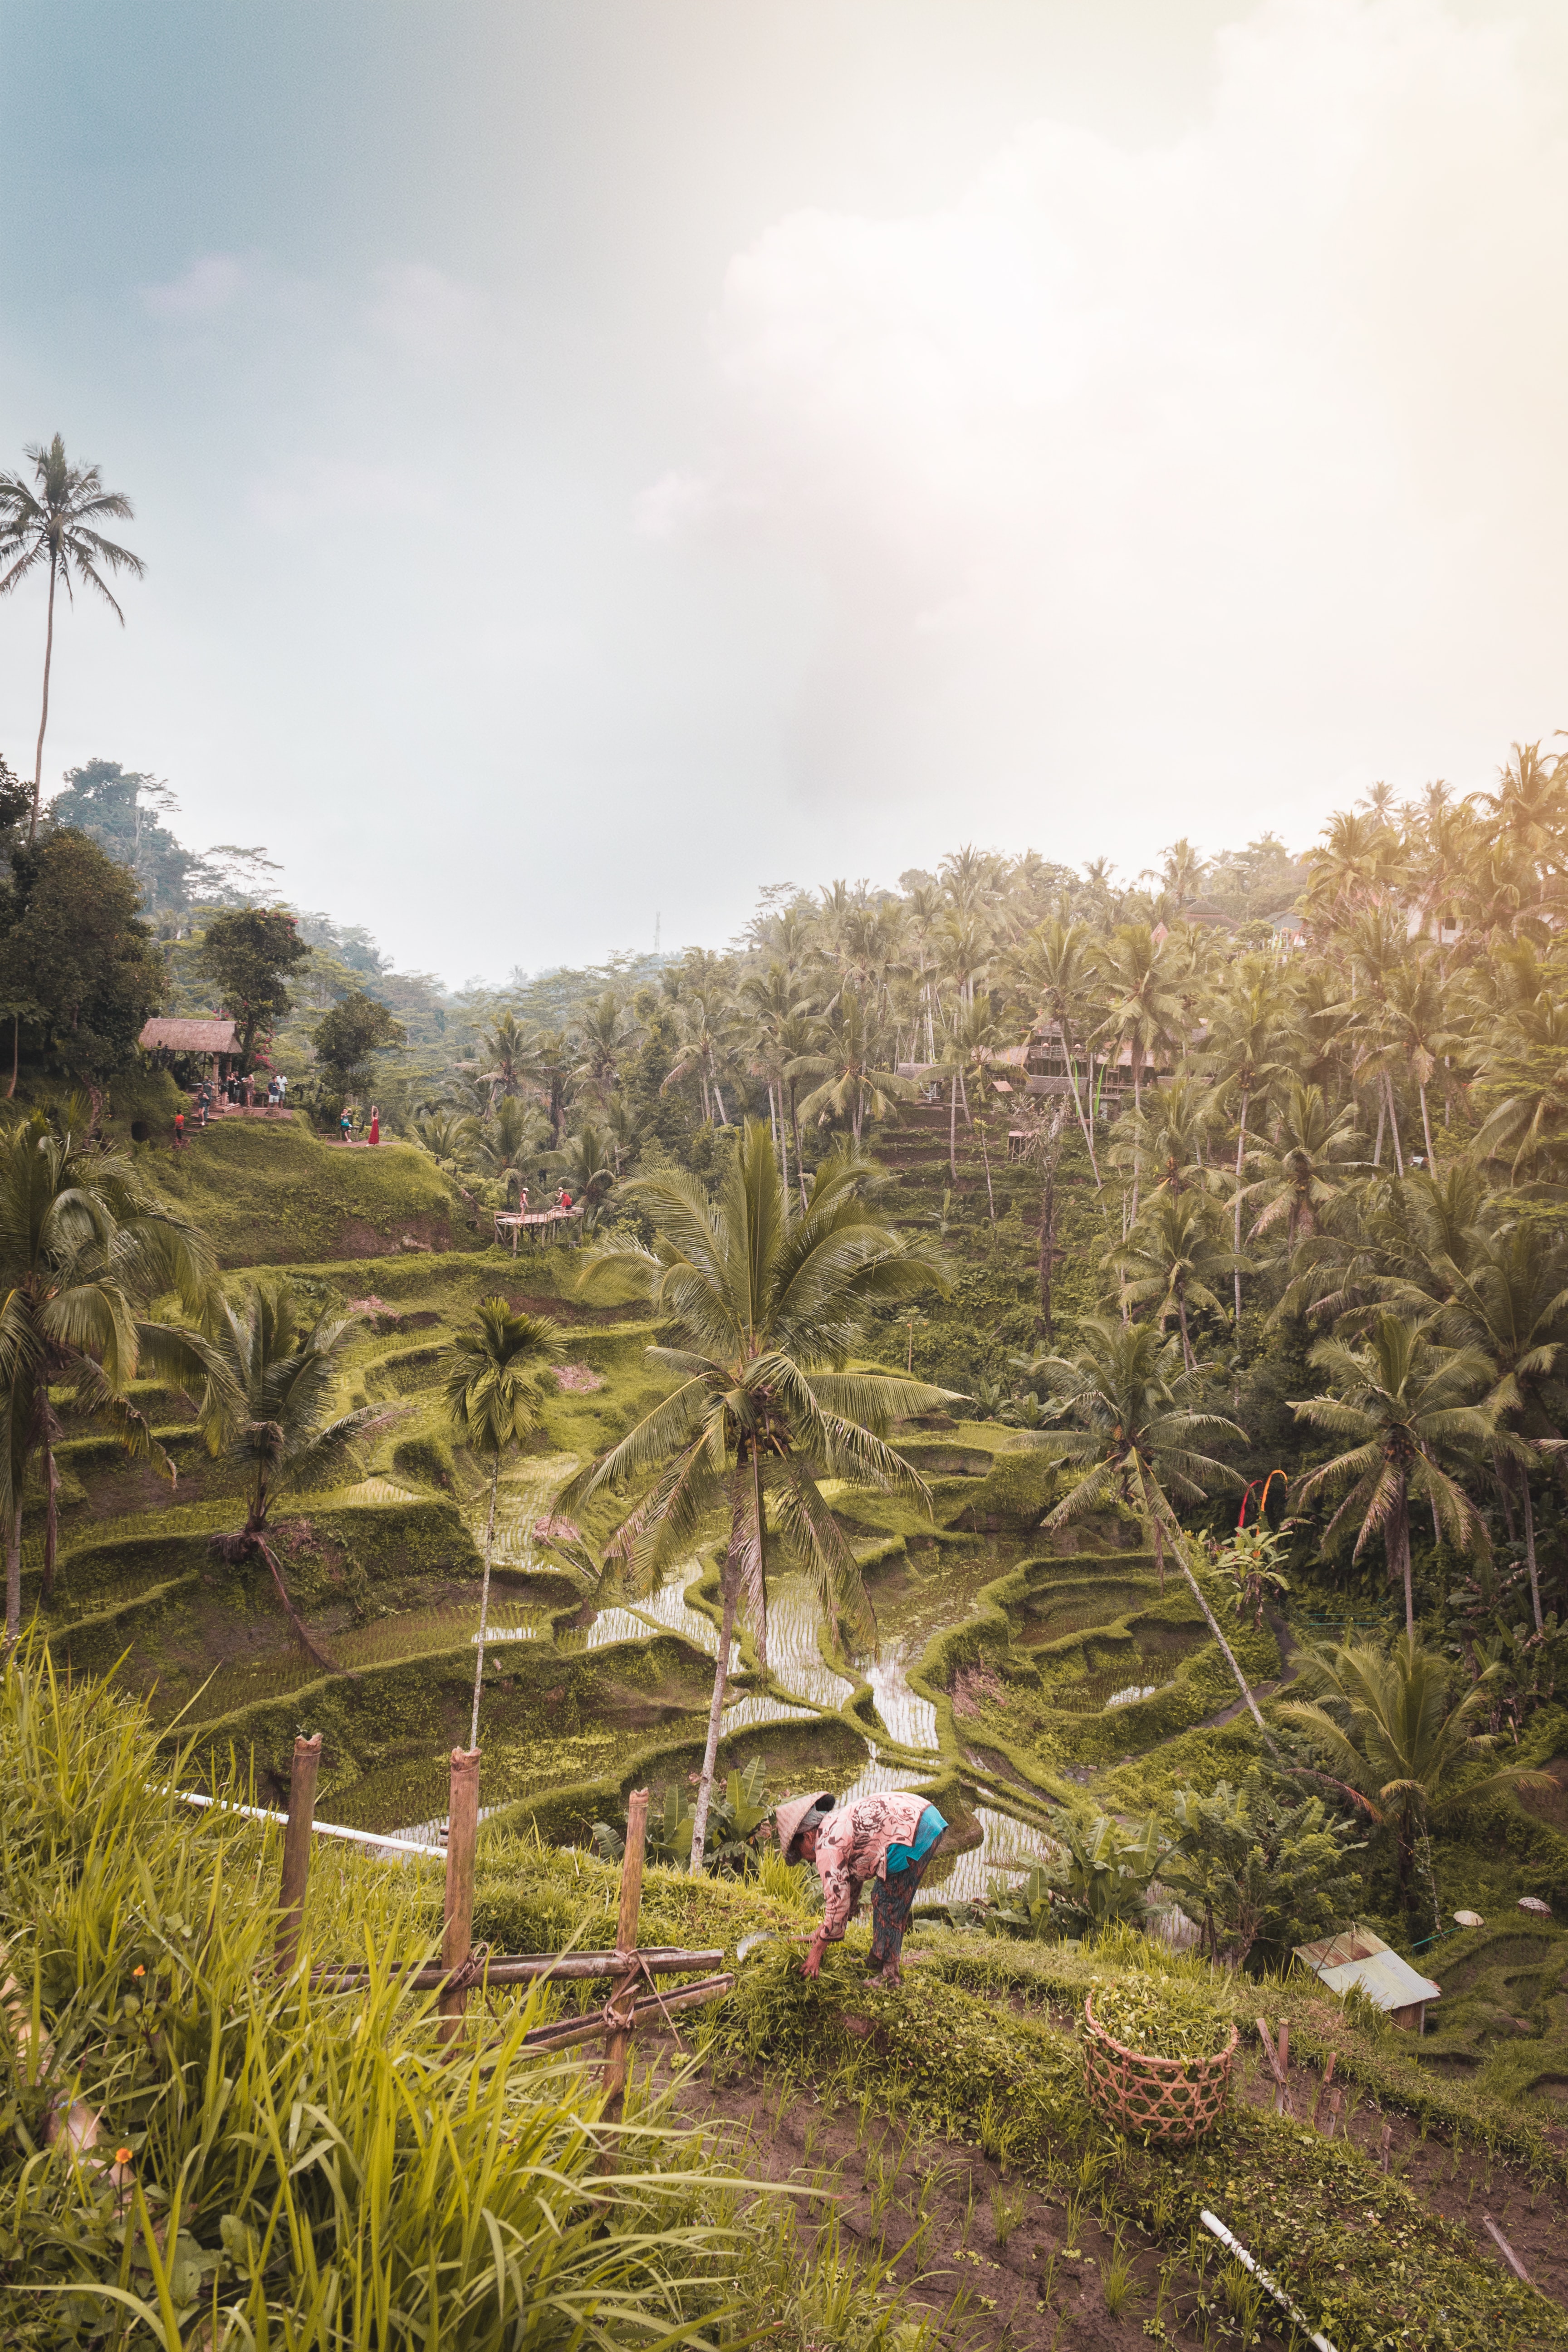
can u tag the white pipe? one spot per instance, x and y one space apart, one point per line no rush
321 1829
1216 2228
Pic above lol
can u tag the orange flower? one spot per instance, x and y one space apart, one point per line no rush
122 2156
138 1972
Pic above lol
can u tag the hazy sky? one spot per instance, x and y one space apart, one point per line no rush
595 457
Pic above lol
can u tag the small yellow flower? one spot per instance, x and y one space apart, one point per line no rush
138 1972
122 2156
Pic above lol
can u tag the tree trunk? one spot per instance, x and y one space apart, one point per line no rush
15 1053
1427 1132
51 1516
1047 1249
799 1154
1382 1115
715 1713
1187 1358
13 1582
1394 1125
1077 1104
783 1149
1152 1520
1240 1150
1530 1550
484 1602
1399 1561
952 1132
44 720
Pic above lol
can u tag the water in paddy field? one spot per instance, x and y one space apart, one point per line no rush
925 1603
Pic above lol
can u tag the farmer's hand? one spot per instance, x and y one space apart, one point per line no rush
813 1961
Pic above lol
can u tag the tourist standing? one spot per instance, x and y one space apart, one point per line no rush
375 1124
346 1124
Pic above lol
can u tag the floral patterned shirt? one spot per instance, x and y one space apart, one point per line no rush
852 1846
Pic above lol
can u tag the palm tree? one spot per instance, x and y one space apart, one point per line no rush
845 1058
781 1034
1508 1301
268 1408
1138 1434
507 1145
586 1165
507 1047
1405 1401
83 1252
51 522
1144 1012
1173 1255
1243 1051
765 1306
1055 966
1398 1748
493 1382
1306 1170
967 1044
604 1036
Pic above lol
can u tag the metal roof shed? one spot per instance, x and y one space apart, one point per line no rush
1359 1958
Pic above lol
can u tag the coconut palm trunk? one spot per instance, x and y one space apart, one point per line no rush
1240 1156
1152 1520
44 718
485 1602
746 1526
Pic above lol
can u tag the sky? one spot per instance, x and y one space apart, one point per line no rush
595 458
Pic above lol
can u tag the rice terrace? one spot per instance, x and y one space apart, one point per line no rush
841 1632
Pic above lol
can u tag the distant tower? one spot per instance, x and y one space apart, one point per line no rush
655 924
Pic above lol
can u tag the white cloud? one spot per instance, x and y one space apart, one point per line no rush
422 313
209 285
318 491
1250 440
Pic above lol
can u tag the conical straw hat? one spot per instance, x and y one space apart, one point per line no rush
792 1811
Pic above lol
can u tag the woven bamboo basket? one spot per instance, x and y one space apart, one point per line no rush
1173 2100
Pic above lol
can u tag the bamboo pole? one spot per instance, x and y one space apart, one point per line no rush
568 2030
618 2048
458 1929
297 1848
522 1968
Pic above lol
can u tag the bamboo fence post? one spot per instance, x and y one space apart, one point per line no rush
458 1930
618 2046
297 1848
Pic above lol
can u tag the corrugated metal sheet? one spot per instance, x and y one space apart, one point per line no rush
1360 1958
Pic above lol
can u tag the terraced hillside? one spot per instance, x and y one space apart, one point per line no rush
1012 1674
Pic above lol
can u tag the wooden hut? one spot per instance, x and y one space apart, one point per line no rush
1357 1958
217 1042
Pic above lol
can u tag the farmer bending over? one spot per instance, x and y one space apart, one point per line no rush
886 1840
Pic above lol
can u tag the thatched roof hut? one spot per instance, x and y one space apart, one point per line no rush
189 1036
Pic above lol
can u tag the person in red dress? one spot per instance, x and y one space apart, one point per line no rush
375 1124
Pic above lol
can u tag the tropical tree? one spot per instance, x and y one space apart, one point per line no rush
1508 1300
493 1375
251 953
846 1058
508 1143
267 1406
1394 1739
506 1047
1137 1435
765 1306
348 1038
1306 1167
1172 1257
50 524
1144 1013
84 1250
1244 1053
586 1165
968 1042
1055 966
1405 1402
605 1035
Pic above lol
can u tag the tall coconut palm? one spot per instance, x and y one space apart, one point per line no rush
506 1047
1171 1260
605 1035
1396 1740
765 1306
781 1031
1508 1299
1144 1012
270 1409
508 1143
1305 1170
1245 1053
966 1045
586 1165
1405 1402
846 1059
493 1375
84 1250
1138 1434
50 524
1055 967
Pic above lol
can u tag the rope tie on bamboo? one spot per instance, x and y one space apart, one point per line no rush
470 1971
621 2015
